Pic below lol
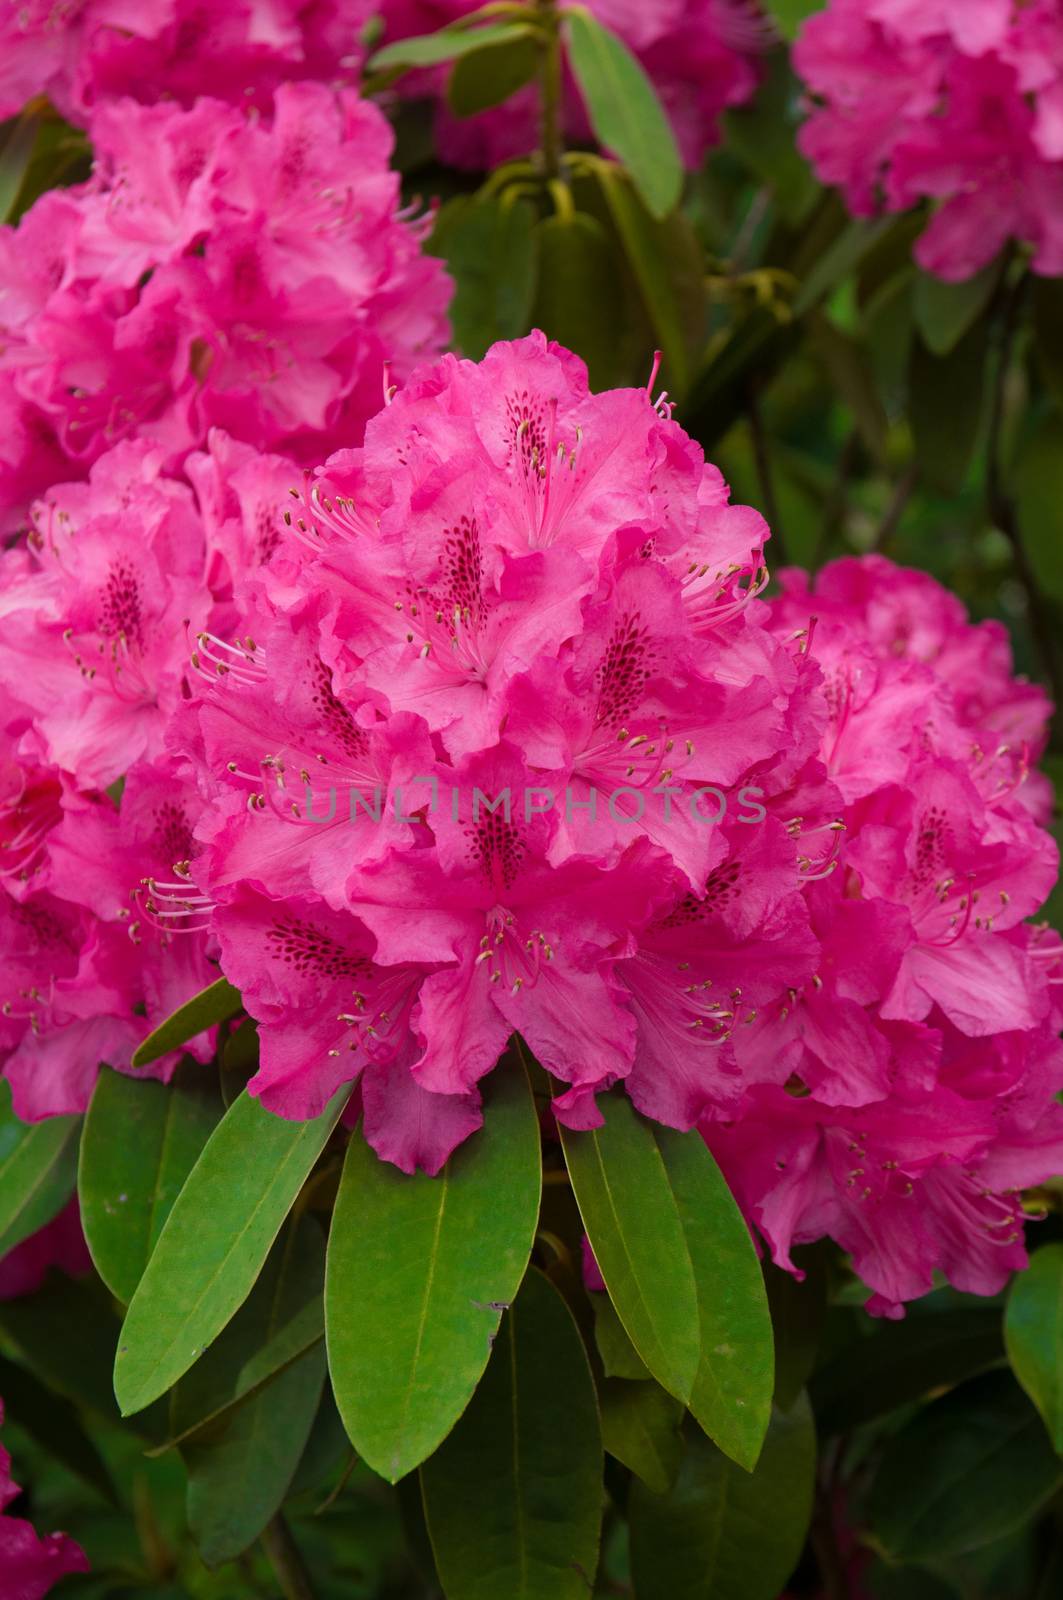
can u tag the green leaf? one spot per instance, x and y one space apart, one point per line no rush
947 405
850 372
419 1272
618 1355
489 247
38 1167
624 110
732 1392
281 1319
846 251
631 1215
213 1004
1039 502
141 1140
53 1423
513 1497
1033 1334
488 77
580 301
214 1243
900 1362
721 1533
241 1466
1047 299
790 14
666 261
762 134
966 1470
640 1427
797 1313
430 49
16 153
944 312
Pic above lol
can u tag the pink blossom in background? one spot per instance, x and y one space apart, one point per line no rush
83 52
959 102
223 267
702 56
59 1244
30 1565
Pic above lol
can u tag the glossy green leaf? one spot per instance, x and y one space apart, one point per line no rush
38 1168
431 49
721 1533
666 260
967 1469
1038 483
242 1463
141 1140
419 1272
281 1319
624 110
632 1218
487 77
732 1392
1033 1334
900 1362
947 400
944 312
640 1427
212 1005
579 301
214 1243
489 247
513 1498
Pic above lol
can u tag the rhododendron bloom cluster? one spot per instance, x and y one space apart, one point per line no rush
29 1565
917 1073
82 52
700 54
485 727
221 267
955 101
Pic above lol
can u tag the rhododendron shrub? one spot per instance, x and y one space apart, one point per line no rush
959 104
224 266
529 800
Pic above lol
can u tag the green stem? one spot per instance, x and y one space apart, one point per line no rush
550 91
286 1560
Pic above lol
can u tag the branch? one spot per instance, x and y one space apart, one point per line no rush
286 1560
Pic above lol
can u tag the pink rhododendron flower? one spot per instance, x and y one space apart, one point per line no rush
83 52
916 1073
700 54
222 268
60 1243
955 101
29 1565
